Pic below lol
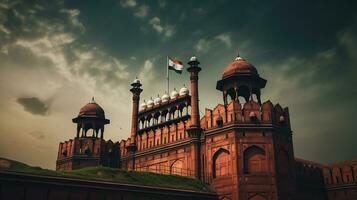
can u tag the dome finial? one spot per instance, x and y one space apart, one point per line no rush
92 100
238 56
193 58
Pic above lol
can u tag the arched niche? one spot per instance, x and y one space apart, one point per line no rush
254 160
221 163
164 115
156 117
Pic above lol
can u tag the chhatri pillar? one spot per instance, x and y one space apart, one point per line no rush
194 131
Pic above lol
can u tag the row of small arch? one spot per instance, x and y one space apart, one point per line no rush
164 116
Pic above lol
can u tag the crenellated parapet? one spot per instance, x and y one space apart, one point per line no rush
308 172
250 112
87 151
341 173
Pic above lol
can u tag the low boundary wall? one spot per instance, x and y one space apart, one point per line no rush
21 186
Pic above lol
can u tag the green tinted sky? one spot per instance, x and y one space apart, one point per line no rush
56 55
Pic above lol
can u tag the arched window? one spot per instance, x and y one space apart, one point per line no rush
221 163
254 160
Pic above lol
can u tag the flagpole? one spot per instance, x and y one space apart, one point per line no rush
167 74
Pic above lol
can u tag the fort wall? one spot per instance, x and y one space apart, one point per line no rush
341 180
18 186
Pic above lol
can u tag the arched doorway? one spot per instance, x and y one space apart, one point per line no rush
254 160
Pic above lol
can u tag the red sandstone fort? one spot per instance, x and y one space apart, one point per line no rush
243 147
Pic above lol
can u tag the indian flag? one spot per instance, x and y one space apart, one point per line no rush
175 65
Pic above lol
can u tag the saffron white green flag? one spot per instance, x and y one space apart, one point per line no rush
175 65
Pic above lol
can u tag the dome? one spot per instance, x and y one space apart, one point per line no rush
193 58
92 109
157 100
239 65
150 103
174 94
184 91
143 105
136 80
165 98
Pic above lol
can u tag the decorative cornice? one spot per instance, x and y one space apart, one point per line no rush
244 127
161 149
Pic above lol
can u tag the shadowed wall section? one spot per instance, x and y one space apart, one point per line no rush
18 186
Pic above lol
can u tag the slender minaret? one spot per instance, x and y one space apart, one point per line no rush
194 69
195 130
136 90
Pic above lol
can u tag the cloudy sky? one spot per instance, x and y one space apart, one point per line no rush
56 55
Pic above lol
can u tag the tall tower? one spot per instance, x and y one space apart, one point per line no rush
248 144
195 130
135 90
88 149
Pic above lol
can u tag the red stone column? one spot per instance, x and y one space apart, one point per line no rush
194 69
136 90
195 130
135 111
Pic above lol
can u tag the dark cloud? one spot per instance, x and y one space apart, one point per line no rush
33 105
49 36
38 135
